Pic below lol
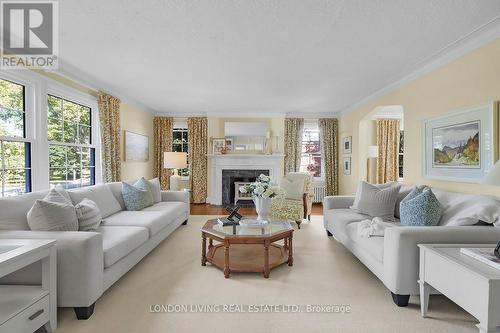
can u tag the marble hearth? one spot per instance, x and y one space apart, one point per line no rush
234 162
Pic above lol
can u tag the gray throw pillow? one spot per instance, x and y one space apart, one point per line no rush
360 188
137 196
378 202
154 187
88 214
52 213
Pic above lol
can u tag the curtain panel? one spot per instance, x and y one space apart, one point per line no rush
109 118
163 128
293 143
328 128
198 143
388 145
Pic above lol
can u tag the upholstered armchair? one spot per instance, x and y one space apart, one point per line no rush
297 202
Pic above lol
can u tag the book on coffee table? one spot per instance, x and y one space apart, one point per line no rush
483 254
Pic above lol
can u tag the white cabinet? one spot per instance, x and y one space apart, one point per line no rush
27 308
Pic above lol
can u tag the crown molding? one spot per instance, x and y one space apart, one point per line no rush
473 40
76 75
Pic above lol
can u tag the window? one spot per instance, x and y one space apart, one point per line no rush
180 144
15 153
311 151
401 153
71 153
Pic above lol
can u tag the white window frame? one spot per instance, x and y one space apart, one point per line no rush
307 124
37 89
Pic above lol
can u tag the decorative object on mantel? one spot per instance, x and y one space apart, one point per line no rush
276 145
229 144
347 145
268 147
262 191
136 147
175 160
461 146
218 145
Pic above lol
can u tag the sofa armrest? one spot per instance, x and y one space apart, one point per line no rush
401 253
80 265
181 196
337 202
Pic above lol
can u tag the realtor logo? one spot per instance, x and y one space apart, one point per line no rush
29 33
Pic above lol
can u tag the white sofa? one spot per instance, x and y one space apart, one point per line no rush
394 258
88 263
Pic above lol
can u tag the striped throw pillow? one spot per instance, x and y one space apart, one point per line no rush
88 214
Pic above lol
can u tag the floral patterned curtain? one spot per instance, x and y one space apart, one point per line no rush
163 128
388 144
109 117
328 128
198 143
293 143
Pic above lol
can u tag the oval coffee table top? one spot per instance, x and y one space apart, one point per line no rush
270 229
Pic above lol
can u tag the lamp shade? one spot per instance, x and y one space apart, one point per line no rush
372 151
493 176
173 160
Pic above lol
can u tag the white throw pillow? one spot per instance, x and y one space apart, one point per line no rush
52 213
88 214
460 209
378 202
359 190
154 186
294 189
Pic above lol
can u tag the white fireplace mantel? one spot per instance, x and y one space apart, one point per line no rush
217 163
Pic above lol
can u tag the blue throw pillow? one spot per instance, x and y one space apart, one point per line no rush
420 208
137 196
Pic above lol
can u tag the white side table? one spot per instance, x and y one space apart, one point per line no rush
471 284
27 308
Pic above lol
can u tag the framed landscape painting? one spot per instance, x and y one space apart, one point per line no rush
461 146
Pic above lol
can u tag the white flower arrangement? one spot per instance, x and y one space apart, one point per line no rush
262 187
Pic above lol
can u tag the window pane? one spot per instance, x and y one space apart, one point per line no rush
55 109
84 134
85 114
401 141
185 147
86 177
70 132
73 178
185 136
14 181
86 156
71 112
57 156
57 176
11 123
11 95
73 157
13 155
55 129
177 147
176 136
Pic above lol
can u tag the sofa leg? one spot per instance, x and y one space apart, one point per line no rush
298 224
84 312
309 217
328 233
400 300
185 222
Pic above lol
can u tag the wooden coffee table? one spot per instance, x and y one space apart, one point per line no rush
242 249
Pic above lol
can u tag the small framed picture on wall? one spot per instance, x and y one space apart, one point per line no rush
347 145
347 165
218 145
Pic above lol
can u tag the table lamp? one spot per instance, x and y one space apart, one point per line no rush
176 161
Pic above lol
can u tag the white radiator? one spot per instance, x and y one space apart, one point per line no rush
319 192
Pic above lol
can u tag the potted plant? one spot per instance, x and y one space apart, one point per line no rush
262 191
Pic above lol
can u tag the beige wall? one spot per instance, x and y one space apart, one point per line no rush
473 79
138 121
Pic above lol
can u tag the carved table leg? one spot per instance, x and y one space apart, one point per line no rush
266 259
226 260
203 250
290 251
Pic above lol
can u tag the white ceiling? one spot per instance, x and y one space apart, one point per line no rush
258 56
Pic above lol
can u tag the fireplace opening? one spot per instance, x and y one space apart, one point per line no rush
230 177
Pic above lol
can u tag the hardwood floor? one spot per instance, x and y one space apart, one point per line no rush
206 209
